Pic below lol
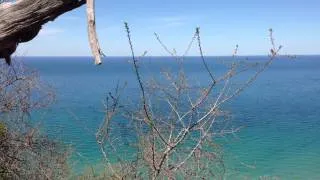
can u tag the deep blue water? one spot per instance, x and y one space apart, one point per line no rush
280 112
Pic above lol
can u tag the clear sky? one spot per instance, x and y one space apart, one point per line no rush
223 25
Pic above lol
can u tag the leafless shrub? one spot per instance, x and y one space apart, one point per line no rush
171 132
24 152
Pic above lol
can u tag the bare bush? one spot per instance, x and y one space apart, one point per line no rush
24 152
171 132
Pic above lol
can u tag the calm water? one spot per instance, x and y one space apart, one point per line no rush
280 112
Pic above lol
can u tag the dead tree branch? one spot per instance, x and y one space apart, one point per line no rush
22 20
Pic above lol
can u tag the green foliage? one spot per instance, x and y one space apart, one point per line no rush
3 130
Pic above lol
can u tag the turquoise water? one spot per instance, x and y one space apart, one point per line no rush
280 112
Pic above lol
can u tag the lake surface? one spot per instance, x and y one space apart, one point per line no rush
280 112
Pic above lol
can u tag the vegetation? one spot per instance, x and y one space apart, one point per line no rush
171 133
25 153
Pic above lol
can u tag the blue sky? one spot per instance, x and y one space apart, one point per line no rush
223 25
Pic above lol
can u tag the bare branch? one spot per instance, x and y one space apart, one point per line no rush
22 20
92 33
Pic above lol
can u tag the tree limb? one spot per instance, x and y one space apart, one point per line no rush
22 20
92 33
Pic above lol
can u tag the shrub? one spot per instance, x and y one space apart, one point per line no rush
25 153
171 132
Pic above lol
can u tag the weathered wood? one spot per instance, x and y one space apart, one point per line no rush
92 33
21 21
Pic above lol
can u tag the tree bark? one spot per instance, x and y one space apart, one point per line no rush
22 20
92 33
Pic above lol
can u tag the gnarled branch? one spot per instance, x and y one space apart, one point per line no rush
22 20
